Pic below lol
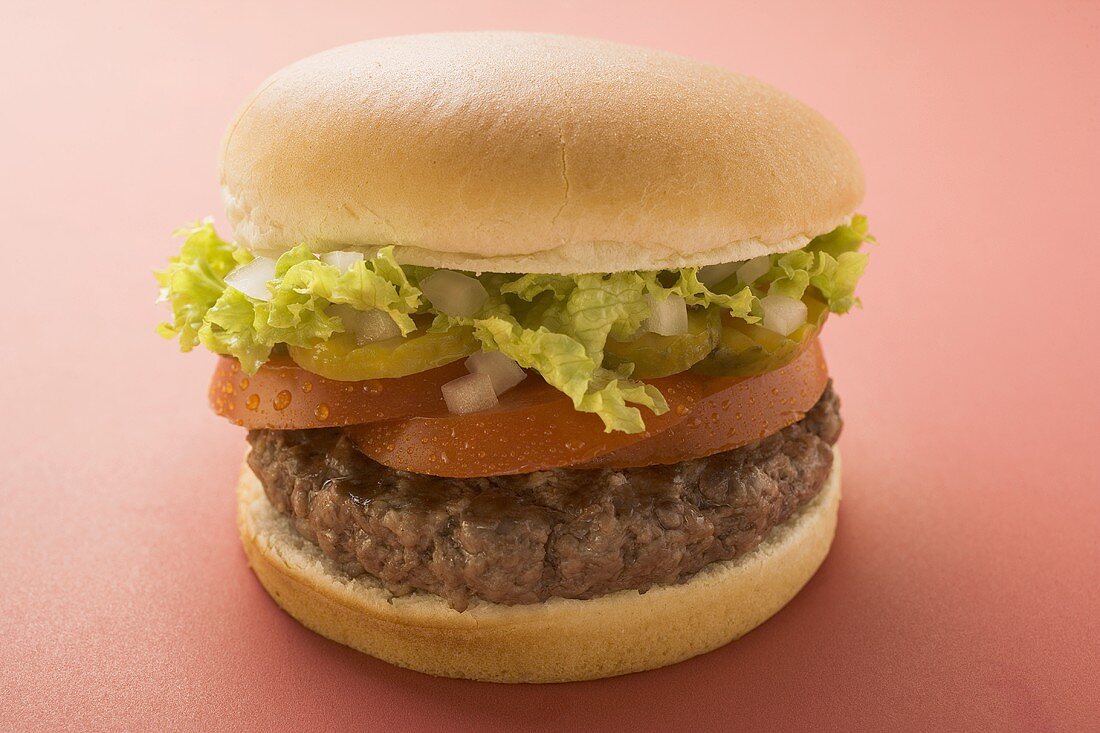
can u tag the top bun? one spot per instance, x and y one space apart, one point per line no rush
516 152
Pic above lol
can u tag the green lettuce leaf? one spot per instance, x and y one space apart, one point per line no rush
837 278
229 327
845 238
226 321
568 322
194 280
831 263
687 286
564 362
840 263
791 272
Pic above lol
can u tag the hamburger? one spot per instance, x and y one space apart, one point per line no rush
524 332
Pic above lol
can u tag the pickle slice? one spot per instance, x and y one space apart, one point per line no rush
747 349
659 356
342 359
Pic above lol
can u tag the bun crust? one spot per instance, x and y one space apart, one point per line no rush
515 152
556 641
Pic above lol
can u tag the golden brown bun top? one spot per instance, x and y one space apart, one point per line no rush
517 152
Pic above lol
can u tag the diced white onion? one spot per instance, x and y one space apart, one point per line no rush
341 260
366 326
754 269
453 293
471 393
667 317
252 279
711 275
782 314
501 370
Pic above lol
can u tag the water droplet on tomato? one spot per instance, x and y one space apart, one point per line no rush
322 412
227 388
282 400
252 402
307 387
244 383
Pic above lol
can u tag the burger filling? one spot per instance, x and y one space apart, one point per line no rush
596 338
564 532
515 437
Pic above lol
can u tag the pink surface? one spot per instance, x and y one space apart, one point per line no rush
962 591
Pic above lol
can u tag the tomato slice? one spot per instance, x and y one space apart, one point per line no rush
403 423
534 427
283 396
734 412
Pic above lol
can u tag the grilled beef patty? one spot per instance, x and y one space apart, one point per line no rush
565 532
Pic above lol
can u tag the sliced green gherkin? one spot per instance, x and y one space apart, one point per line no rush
342 359
655 356
746 349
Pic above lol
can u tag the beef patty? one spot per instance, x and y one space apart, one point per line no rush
565 532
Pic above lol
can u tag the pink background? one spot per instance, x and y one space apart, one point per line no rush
962 591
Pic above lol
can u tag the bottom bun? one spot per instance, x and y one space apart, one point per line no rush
559 640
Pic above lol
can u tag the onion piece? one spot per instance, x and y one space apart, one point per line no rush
366 326
667 317
341 260
712 275
454 294
751 271
471 393
501 370
252 279
782 314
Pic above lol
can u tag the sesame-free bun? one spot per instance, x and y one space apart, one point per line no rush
517 152
555 641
